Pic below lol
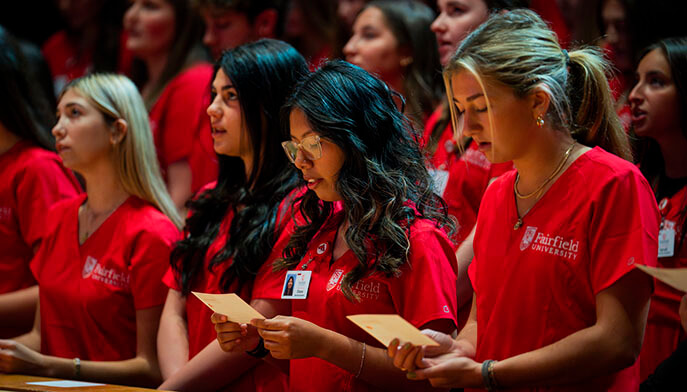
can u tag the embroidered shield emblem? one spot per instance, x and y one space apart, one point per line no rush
88 267
527 237
335 279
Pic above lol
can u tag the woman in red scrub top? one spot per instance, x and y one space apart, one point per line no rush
31 180
371 240
558 303
100 265
238 226
659 118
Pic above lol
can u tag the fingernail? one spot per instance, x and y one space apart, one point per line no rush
411 375
406 346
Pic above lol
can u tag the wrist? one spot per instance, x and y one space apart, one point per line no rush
488 377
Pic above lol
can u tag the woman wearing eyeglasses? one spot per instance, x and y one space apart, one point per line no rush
237 225
373 236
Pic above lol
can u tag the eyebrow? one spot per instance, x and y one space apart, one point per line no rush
470 98
305 134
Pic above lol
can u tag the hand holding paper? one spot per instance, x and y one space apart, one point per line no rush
674 277
230 305
386 327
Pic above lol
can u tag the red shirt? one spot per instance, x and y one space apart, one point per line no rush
425 291
67 62
89 294
181 128
446 153
31 180
201 332
537 284
663 329
467 181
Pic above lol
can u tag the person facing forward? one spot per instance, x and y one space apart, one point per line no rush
371 235
558 303
237 226
659 118
99 267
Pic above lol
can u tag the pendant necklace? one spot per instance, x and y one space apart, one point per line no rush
538 192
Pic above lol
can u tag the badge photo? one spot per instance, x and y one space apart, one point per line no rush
296 284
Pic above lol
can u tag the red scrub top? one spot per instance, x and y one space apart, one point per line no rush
663 329
425 291
181 128
89 293
538 284
201 331
31 180
67 62
467 181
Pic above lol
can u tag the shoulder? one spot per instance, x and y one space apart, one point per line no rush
196 74
144 221
55 42
598 168
61 210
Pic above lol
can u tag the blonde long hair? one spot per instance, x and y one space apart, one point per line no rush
116 97
517 49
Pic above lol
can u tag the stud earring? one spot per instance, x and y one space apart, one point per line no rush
540 121
406 61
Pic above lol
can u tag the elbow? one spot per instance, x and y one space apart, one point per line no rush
625 352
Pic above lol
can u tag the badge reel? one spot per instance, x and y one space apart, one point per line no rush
297 282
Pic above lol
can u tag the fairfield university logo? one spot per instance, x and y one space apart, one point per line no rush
335 279
551 244
93 270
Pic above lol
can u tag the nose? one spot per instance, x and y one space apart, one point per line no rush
209 38
58 129
468 124
130 14
349 49
438 25
302 162
213 110
612 34
636 95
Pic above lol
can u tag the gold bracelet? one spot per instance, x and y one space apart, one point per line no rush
77 367
362 361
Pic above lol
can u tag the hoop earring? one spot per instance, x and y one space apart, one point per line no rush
540 121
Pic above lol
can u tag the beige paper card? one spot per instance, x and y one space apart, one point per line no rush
230 305
386 327
674 277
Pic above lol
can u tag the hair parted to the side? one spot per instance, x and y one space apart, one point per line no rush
518 50
263 73
116 97
409 22
383 181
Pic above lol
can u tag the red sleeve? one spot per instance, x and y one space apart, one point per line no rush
182 112
149 262
426 290
44 182
171 279
623 230
56 214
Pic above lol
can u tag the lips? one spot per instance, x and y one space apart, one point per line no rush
59 147
638 115
312 182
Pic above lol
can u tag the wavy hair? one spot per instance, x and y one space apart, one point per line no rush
518 50
263 73
116 97
383 182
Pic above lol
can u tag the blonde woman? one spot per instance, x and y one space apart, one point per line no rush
100 265
558 302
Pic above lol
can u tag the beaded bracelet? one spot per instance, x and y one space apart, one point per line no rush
77 367
488 375
362 361
259 351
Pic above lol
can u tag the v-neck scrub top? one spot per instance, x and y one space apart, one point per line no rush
89 293
537 284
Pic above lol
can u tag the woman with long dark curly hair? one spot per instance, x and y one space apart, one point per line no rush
372 235
235 223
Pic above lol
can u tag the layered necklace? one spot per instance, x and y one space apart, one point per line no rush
540 189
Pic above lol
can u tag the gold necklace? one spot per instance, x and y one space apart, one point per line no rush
90 217
537 192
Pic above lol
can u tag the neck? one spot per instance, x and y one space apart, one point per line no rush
154 65
541 159
7 139
103 187
674 157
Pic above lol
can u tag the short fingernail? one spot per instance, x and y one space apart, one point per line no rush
411 375
406 346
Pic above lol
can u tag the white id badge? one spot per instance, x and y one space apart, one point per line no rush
666 242
296 284
440 178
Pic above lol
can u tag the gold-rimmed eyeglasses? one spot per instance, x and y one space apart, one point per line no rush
310 146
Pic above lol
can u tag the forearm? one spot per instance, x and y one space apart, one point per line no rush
585 354
467 339
172 345
210 370
17 308
464 255
136 371
377 368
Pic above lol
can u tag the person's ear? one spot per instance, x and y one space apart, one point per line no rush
119 130
539 100
265 24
